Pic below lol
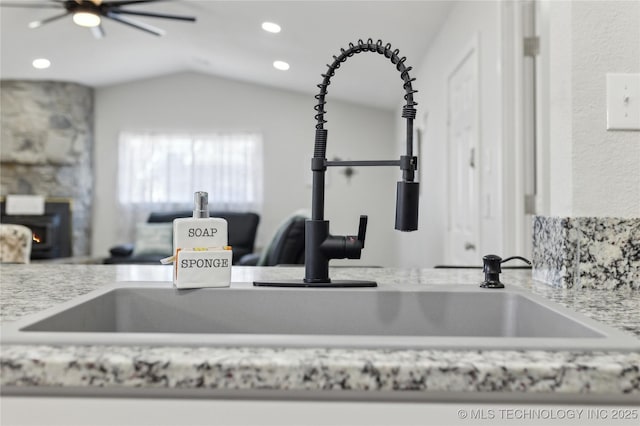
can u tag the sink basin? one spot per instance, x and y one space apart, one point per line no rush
426 317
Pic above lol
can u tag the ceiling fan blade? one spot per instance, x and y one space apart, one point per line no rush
37 24
98 31
136 24
32 5
127 2
154 15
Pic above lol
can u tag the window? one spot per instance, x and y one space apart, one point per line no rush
161 171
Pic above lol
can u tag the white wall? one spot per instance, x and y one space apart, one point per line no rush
426 247
606 164
594 172
588 171
198 102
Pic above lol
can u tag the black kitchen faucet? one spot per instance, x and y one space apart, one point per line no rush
320 245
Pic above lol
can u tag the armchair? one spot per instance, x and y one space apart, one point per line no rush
286 246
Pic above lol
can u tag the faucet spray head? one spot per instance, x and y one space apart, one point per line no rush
200 205
407 197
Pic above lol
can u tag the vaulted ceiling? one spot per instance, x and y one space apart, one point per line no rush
227 41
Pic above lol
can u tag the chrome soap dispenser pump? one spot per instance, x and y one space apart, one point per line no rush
200 205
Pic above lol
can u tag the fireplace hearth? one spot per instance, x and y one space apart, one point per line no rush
51 231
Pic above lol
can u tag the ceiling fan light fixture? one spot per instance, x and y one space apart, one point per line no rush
86 19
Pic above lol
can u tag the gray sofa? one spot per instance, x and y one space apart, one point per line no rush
242 228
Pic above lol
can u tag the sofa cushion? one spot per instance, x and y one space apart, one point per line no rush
154 239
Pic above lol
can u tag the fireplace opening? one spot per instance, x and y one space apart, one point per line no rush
51 231
45 230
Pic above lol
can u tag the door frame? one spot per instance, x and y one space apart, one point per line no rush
522 165
471 47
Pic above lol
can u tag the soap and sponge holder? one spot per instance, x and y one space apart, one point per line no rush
201 254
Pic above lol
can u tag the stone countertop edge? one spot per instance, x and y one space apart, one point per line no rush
25 289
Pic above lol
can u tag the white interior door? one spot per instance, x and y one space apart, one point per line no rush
463 150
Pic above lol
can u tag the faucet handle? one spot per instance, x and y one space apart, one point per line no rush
362 229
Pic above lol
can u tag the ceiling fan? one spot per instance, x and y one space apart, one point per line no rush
89 13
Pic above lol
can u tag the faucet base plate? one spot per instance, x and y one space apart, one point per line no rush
301 283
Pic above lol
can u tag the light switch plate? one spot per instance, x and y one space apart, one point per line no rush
623 101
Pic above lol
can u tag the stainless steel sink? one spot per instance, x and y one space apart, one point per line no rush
457 317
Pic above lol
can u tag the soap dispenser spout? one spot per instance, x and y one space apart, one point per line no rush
492 269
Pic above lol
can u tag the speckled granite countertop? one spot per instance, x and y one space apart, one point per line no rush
324 373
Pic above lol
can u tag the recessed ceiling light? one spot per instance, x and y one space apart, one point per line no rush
271 27
41 63
281 65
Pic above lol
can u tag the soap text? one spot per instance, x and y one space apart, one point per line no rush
202 232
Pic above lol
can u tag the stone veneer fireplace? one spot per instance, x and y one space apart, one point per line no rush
47 143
